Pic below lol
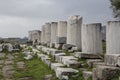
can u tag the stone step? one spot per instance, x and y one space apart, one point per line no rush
105 72
86 55
62 73
90 62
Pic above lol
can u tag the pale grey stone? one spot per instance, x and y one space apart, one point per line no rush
9 62
8 71
61 40
54 66
90 62
60 72
62 29
105 72
113 37
74 31
54 26
20 65
86 55
91 38
28 57
34 36
47 33
98 64
67 46
112 59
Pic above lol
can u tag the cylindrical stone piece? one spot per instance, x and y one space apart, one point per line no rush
113 37
91 38
53 32
74 31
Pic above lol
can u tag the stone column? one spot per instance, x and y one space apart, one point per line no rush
113 43
53 32
91 38
35 36
113 37
62 32
43 35
48 33
74 31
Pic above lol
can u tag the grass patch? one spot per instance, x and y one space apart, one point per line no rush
36 69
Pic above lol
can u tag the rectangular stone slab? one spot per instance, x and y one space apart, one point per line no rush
112 59
105 72
86 55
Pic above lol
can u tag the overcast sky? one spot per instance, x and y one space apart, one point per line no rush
17 17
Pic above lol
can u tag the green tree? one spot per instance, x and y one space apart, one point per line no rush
115 5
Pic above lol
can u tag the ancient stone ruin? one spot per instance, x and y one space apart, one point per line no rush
71 46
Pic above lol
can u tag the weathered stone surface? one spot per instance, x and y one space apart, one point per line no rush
64 59
35 36
28 57
8 71
98 64
90 62
67 46
47 32
86 55
9 62
112 59
47 61
20 65
105 72
58 46
10 57
53 52
57 56
91 38
61 72
43 35
74 31
52 45
54 66
74 48
73 63
62 29
87 75
54 26
113 37
61 40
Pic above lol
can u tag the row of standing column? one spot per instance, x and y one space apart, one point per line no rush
87 38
